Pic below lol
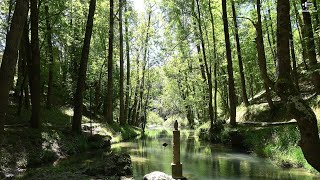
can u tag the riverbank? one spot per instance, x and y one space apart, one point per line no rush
277 143
23 150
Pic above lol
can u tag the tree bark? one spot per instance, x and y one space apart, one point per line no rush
50 56
301 35
317 24
126 112
135 98
262 58
17 87
269 41
232 95
109 105
78 99
24 71
295 76
35 65
9 59
242 78
122 118
215 68
144 64
208 72
313 64
297 107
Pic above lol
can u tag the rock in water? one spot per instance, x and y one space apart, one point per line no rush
157 175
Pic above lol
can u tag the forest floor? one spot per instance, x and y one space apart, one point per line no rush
24 150
278 143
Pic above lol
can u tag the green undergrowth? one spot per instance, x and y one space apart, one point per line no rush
220 133
280 144
23 148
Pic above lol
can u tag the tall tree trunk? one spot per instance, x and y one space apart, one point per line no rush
78 99
11 5
24 84
50 56
135 98
271 25
215 68
297 107
144 64
9 59
109 105
262 58
301 35
122 118
242 78
126 112
232 95
269 41
26 50
209 78
316 24
311 48
17 87
35 65
295 76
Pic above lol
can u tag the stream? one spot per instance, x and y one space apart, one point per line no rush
200 160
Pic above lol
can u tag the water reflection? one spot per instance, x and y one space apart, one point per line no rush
200 160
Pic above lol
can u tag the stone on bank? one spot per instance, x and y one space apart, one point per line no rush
157 175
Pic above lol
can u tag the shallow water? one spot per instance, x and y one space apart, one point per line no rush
200 160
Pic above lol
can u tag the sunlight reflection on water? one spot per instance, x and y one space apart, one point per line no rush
200 160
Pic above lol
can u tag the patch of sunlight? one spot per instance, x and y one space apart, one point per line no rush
239 157
23 160
47 124
116 139
138 159
124 145
67 111
241 110
104 131
134 150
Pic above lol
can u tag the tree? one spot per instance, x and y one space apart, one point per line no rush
35 65
232 95
144 65
126 113
297 107
50 56
122 118
109 103
78 99
262 57
242 78
10 55
215 66
208 72
301 34
311 49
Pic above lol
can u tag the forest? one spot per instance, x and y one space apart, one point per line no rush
90 89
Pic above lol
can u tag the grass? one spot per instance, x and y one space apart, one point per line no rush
280 144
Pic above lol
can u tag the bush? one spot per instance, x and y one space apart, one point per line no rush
154 119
